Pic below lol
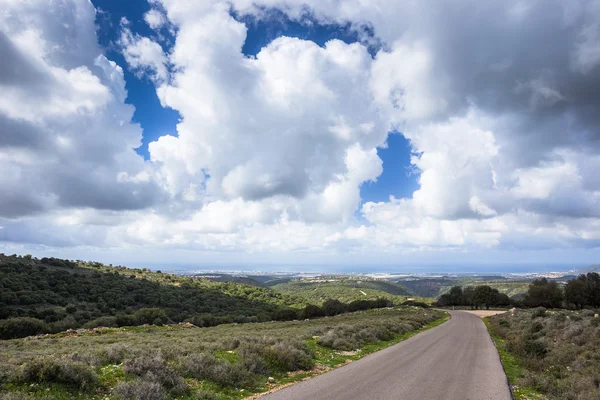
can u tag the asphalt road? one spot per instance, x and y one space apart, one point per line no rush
454 361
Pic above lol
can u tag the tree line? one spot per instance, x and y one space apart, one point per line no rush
578 293
476 297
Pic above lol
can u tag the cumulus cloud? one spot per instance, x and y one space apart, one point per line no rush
65 130
271 150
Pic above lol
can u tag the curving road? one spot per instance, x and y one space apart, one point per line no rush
454 361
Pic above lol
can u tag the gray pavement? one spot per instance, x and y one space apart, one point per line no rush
454 361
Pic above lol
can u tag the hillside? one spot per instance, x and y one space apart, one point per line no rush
343 289
65 294
591 268
429 287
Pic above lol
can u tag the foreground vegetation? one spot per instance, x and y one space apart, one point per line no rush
550 354
182 361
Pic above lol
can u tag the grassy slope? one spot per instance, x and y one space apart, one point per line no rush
105 349
552 356
343 289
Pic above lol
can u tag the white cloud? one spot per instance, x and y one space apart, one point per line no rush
155 19
144 55
271 151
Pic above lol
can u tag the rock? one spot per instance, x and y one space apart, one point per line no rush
595 315
271 379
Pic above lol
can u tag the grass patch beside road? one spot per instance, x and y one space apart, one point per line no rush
550 354
513 370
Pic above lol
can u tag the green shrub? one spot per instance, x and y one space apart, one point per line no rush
15 396
114 353
538 312
207 367
69 373
536 327
139 389
155 369
105 322
13 328
280 356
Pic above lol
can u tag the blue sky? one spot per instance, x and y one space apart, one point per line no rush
265 133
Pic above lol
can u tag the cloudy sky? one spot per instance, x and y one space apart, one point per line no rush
370 134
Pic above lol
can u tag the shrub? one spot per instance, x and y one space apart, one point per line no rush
538 312
14 396
536 327
208 367
155 316
286 356
155 368
69 373
535 348
106 321
139 389
13 328
114 354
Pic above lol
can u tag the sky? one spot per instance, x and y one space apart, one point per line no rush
302 135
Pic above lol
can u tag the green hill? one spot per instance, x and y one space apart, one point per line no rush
343 289
62 294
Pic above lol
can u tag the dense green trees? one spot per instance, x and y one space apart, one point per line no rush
584 290
544 293
474 297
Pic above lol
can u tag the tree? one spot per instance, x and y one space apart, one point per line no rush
575 292
333 307
544 293
456 296
584 290
484 295
468 294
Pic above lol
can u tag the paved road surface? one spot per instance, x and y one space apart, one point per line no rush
454 361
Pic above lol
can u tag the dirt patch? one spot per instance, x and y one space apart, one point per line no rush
485 313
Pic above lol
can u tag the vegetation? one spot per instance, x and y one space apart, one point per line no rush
344 289
52 295
474 297
583 291
182 361
435 287
550 353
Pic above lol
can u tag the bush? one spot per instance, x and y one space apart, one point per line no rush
139 389
106 322
14 396
114 354
535 348
277 355
208 367
69 373
154 368
13 328
538 312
